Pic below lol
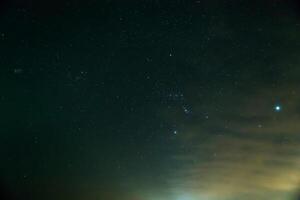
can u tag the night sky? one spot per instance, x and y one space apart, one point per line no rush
150 100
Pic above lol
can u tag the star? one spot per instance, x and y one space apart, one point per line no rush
18 70
277 108
186 110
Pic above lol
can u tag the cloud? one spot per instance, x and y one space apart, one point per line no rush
244 150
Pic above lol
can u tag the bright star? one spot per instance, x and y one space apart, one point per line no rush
277 108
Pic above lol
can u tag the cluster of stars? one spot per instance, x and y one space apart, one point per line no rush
178 100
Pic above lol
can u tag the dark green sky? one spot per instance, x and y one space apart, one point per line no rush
150 100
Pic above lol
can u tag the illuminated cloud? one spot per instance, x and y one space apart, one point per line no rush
253 153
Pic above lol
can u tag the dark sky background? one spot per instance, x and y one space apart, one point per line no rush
150 99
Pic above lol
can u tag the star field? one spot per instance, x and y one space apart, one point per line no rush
150 100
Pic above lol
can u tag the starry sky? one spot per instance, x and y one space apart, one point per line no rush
150 100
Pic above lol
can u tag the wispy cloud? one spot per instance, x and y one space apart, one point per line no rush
248 150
